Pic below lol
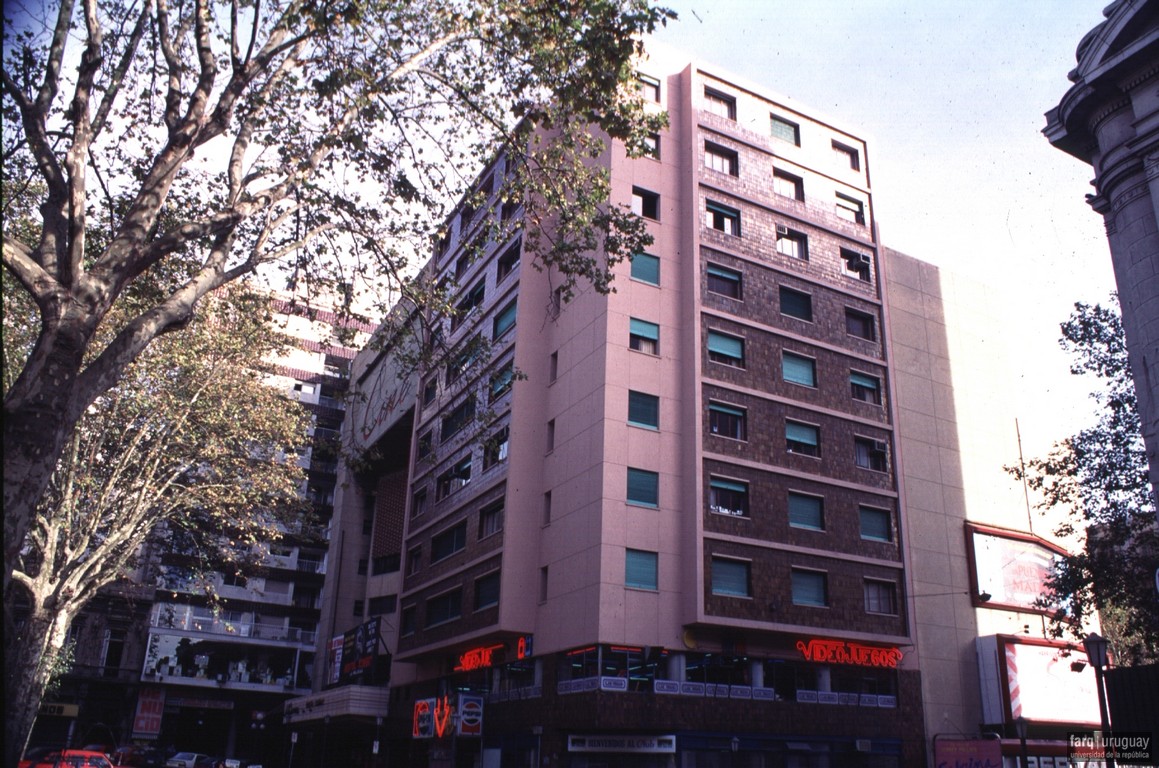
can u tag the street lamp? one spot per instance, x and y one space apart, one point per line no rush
1096 648
1020 729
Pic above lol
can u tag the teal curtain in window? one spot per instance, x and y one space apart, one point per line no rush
644 329
799 370
801 433
646 267
729 346
640 569
730 577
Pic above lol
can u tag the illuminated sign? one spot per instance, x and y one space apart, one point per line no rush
477 658
470 715
423 724
443 711
523 645
842 652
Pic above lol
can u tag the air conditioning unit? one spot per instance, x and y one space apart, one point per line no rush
862 745
862 260
879 445
782 230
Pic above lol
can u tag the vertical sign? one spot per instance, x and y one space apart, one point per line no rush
150 710
423 725
470 715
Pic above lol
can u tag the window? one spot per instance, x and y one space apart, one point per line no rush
418 503
726 421
363 566
458 418
501 381
847 156
407 622
543 584
381 564
506 263
728 497
802 438
444 608
414 560
547 508
487 591
463 359
857 264
787 185
646 268
810 588
430 390
880 597
870 454
725 282
720 104
649 87
850 209
785 130
722 218
725 349
358 609
806 511
640 569
504 321
490 519
495 449
859 324
643 409
644 336
453 479
793 244
382 604
721 159
652 146
799 370
469 302
551 436
447 543
557 301
424 444
876 524
645 203
553 367
731 577
643 487
796 304
865 387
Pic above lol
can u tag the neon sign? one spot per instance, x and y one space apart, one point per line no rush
443 710
842 652
523 646
477 658
431 718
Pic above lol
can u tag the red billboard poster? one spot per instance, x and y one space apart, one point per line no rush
470 715
150 710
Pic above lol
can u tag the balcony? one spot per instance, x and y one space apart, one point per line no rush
185 621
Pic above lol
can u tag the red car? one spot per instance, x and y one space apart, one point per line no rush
72 758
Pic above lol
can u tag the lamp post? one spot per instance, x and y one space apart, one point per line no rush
1096 648
1020 729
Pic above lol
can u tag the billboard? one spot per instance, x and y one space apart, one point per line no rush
1041 680
353 656
1010 567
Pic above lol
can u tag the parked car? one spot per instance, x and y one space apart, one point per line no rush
189 760
139 757
74 758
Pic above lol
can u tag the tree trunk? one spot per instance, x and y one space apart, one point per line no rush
30 659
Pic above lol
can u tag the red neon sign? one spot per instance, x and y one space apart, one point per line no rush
443 710
421 725
842 652
477 658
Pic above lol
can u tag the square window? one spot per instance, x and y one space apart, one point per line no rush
506 263
850 209
722 218
806 511
418 503
731 577
728 497
383 604
726 421
430 390
643 487
504 321
468 304
424 444
502 380
457 418
724 282
649 87
870 454
495 449
810 588
406 622
725 349
876 524
865 388
490 519
857 265
645 203
453 479
652 146
465 356
644 336
785 130
646 268
447 543
880 597
801 438
787 185
487 591
444 608
847 156
414 560
796 304
720 104
643 409
798 369
793 244
859 324
721 159
640 569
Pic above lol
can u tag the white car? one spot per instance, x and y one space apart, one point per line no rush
187 760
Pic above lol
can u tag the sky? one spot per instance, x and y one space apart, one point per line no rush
950 96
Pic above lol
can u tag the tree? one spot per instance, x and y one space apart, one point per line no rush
191 449
1098 479
204 142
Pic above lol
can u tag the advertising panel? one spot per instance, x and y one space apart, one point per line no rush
1010 567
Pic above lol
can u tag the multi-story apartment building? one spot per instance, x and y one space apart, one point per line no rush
659 524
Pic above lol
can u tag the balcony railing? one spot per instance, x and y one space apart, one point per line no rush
234 628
